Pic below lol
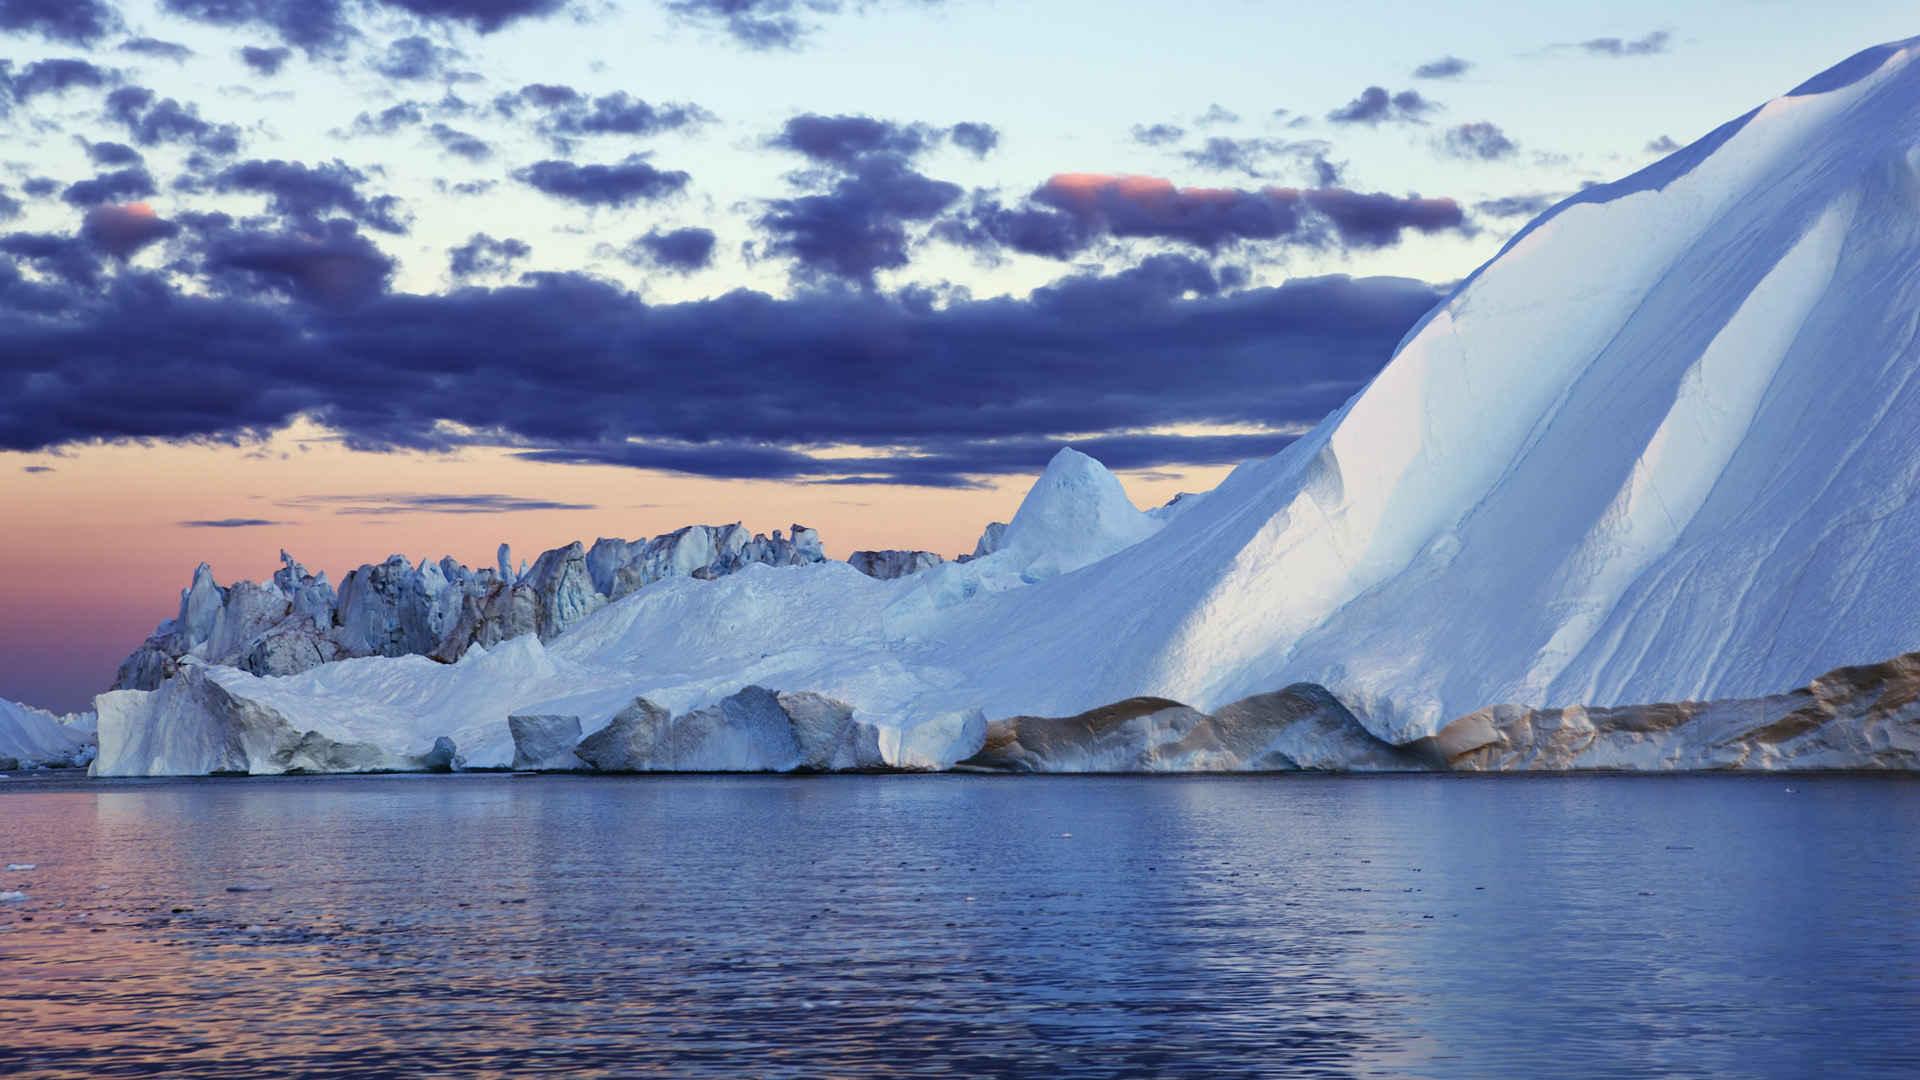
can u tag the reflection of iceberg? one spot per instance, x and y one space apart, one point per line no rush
1659 449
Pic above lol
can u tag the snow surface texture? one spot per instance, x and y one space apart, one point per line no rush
31 737
1663 448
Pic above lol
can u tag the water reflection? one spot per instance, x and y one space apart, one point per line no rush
923 926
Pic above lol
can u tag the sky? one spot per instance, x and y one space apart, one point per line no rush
356 277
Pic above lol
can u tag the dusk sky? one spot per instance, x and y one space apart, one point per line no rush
354 277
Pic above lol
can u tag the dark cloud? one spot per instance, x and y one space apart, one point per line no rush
1517 205
866 195
228 523
1375 106
76 22
562 113
1447 67
113 153
482 255
1158 134
858 226
266 61
464 187
390 119
976 138
324 27
619 114
37 469
328 263
152 121
1477 142
1663 145
120 185
988 227
157 49
417 58
1655 42
739 385
539 95
1217 114
1378 219
317 26
10 207
630 181
384 504
120 231
307 193
843 140
460 143
1071 211
54 77
64 258
680 251
1253 156
40 186
485 16
754 24
1148 207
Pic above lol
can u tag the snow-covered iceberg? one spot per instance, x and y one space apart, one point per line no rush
191 726
296 621
1660 449
31 737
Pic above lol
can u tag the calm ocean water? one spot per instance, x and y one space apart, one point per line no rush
962 926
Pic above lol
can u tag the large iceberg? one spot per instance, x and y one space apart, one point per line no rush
1659 449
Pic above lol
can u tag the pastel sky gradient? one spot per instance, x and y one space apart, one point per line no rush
355 277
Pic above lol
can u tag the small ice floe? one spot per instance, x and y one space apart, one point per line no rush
1066 836
17 867
12 897
249 888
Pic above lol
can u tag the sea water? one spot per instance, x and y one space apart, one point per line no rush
961 926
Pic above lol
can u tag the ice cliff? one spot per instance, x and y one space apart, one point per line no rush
1659 449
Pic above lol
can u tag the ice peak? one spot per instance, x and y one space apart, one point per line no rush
1076 512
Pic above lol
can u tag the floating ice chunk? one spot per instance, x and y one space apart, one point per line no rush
12 897
17 867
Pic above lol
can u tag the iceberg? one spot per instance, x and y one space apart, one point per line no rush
191 726
297 621
30 738
1658 449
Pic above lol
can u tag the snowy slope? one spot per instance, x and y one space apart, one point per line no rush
1664 447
